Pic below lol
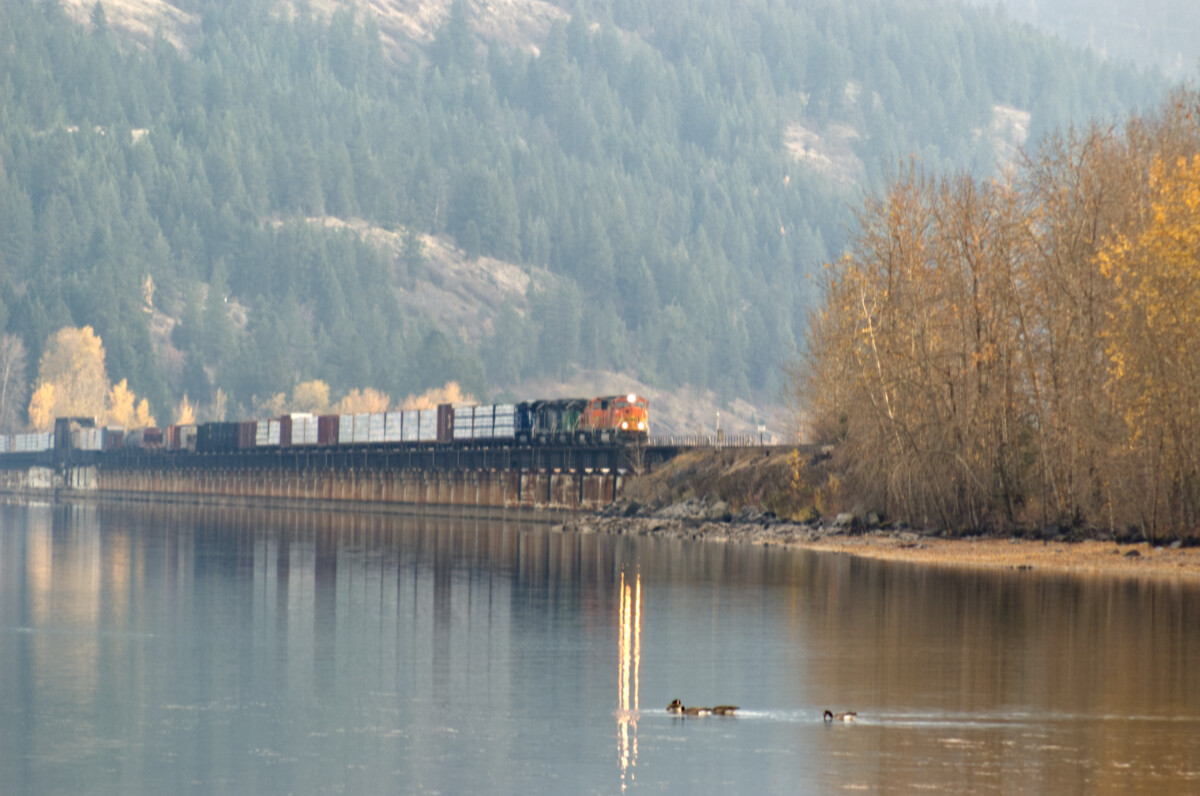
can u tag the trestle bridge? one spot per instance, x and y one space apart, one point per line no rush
568 477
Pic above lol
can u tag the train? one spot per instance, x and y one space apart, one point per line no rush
603 420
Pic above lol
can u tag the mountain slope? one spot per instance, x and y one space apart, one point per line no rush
653 175
1152 33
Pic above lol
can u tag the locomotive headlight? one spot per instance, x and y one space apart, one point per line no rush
631 397
641 426
624 425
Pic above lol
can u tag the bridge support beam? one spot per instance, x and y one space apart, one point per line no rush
485 488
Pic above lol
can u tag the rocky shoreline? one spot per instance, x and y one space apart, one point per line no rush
701 520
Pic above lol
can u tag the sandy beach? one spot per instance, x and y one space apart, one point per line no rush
1078 558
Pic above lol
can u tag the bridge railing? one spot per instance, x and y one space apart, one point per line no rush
710 441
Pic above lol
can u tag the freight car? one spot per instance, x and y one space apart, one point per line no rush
605 420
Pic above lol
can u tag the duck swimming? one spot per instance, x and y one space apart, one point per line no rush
848 716
720 710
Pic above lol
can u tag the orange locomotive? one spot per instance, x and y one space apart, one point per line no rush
627 415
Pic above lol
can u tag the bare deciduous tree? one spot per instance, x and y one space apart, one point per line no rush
14 389
1004 354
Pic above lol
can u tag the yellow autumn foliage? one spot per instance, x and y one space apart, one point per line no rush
73 382
449 393
124 409
310 396
73 365
41 407
185 413
121 405
1022 352
367 400
271 407
142 417
1153 339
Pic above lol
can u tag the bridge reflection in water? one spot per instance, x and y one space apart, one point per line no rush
629 619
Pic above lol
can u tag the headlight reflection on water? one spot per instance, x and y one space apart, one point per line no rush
629 617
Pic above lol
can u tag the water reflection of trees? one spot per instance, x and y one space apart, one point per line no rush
1105 666
442 606
990 639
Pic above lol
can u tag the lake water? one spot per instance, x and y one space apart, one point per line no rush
184 649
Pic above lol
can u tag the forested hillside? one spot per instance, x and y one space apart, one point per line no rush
1161 33
665 175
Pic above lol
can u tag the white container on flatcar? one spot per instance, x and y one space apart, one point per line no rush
427 429
304 428
33 442
410 425
346 430
464 420
376 426
362 428
483 422
504 424
89 439
266 434
393 425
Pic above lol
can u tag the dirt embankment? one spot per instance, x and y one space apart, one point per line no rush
756 496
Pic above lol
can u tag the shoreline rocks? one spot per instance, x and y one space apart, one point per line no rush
696 519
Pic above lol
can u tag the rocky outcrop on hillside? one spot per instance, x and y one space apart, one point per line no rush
403 24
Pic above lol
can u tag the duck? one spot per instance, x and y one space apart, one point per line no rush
677 707
847 716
